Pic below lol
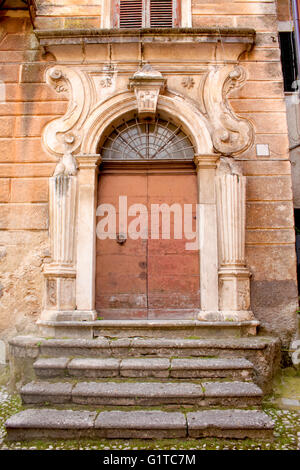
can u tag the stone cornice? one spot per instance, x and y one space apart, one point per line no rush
156 35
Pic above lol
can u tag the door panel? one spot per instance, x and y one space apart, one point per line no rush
173 272
147 278
121 277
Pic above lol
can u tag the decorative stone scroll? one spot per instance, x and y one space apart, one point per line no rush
230 133
147 84
67 129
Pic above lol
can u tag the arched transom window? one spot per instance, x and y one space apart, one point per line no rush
140 140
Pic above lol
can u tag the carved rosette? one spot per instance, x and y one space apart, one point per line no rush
234 276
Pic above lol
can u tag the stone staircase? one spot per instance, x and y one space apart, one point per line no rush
142 387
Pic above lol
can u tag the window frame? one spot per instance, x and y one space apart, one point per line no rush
288 59
176 19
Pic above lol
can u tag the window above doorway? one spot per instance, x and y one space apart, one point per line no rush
141 140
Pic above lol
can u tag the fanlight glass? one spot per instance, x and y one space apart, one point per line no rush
140 140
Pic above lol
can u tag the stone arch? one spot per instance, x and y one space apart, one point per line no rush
198 128
123 105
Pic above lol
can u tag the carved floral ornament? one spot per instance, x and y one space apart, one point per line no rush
64 136
188 82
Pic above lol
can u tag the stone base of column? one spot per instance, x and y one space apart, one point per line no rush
226 316
60 287
68 315
234 288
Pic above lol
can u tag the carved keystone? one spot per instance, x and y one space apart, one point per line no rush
147 84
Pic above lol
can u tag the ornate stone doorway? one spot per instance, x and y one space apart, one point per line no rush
103 133
145 268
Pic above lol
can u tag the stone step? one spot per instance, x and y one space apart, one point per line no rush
30 346
146 328
69 424
238 394
178 368
263 352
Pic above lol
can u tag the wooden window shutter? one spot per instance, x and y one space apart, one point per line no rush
161 13
131 14
146 13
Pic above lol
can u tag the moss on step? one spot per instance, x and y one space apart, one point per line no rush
287 424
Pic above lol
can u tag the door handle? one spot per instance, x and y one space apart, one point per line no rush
121 238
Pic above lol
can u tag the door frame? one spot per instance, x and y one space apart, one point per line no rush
88 166
224 283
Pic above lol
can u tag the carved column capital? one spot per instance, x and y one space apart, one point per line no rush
88 162
206 161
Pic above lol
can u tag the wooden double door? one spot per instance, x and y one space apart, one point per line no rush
153 276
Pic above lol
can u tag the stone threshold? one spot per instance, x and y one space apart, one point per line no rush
148 323
148 328
42 345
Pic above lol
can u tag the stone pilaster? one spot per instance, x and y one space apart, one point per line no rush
234 276
61 272
86 235
207 230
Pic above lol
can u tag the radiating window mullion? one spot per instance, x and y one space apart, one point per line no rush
142 140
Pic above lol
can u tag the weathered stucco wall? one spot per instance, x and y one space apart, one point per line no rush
26 105
25 166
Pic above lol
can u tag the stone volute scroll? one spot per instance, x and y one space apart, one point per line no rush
74 84
147 84
230 133
62 139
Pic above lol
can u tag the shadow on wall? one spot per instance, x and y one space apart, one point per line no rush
297 229
2 353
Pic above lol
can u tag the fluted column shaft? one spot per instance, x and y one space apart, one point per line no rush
231 190
234 276
60 273
62 199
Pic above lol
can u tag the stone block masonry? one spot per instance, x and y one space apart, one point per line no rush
29 104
